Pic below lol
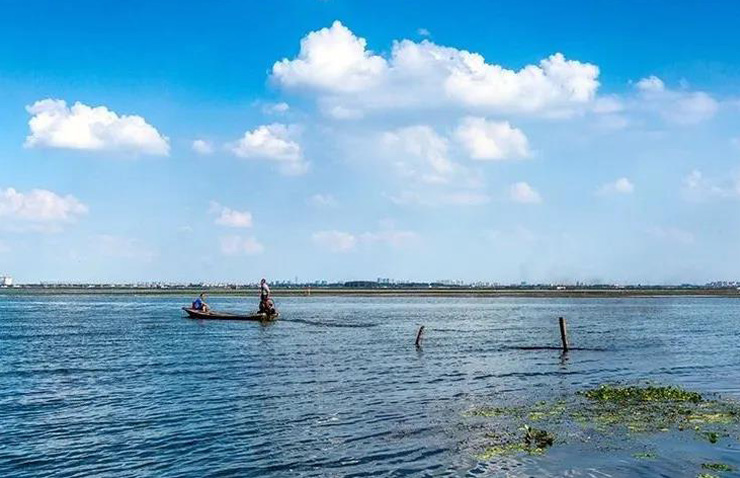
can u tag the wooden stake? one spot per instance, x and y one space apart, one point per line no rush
418 336
564 334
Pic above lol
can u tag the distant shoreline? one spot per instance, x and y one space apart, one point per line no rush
380 292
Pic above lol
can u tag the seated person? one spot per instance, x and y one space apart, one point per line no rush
200 304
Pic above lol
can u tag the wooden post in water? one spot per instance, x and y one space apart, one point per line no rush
563 333
418 336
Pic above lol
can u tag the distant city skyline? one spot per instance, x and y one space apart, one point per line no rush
346 140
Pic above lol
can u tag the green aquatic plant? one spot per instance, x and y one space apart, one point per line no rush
535 438
492 412
711 437
706 475
495 451
646 455
534 442
717 467
620 394
612 414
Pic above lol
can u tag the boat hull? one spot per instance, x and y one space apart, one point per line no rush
213 315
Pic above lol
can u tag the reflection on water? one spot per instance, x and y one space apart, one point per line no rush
126 386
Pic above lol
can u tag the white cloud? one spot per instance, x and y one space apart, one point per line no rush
522 192
335 241
53 124
229 217
608 105
698 187
676 106
460 198
39 206
338 241
276 108
331 59
274 142
391 237
491 140
555 83
423 32
236 245
323 200
336 64
343 113
651 84
202 146
420 152
620 186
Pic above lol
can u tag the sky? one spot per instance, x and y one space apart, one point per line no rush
332 140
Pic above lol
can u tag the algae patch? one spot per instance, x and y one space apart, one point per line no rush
717 467
645 456
609 414
635 394
534 442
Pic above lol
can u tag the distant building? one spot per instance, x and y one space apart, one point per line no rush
6 281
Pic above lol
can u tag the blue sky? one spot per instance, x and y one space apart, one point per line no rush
506 141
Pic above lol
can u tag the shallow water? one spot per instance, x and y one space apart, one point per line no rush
125 386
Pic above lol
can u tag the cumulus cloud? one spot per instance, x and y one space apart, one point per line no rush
491 140
202 146
651 84
522 192
335 241
423 32
336 64
229 217
274 142
681 106
55 125
39 206
420 152
237 245
619 186
331 59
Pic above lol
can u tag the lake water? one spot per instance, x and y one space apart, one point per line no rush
125 386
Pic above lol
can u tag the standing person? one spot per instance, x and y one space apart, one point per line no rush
265 297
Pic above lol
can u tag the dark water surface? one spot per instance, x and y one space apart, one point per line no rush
125 386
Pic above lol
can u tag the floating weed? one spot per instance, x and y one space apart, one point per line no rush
535 438
645 455
717 467
501 450
610 412
635 394
711 437
534 442
491 412
706 475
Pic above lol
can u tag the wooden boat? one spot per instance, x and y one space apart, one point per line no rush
257 316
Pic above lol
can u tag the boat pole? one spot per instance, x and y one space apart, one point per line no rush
563 333
418 336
